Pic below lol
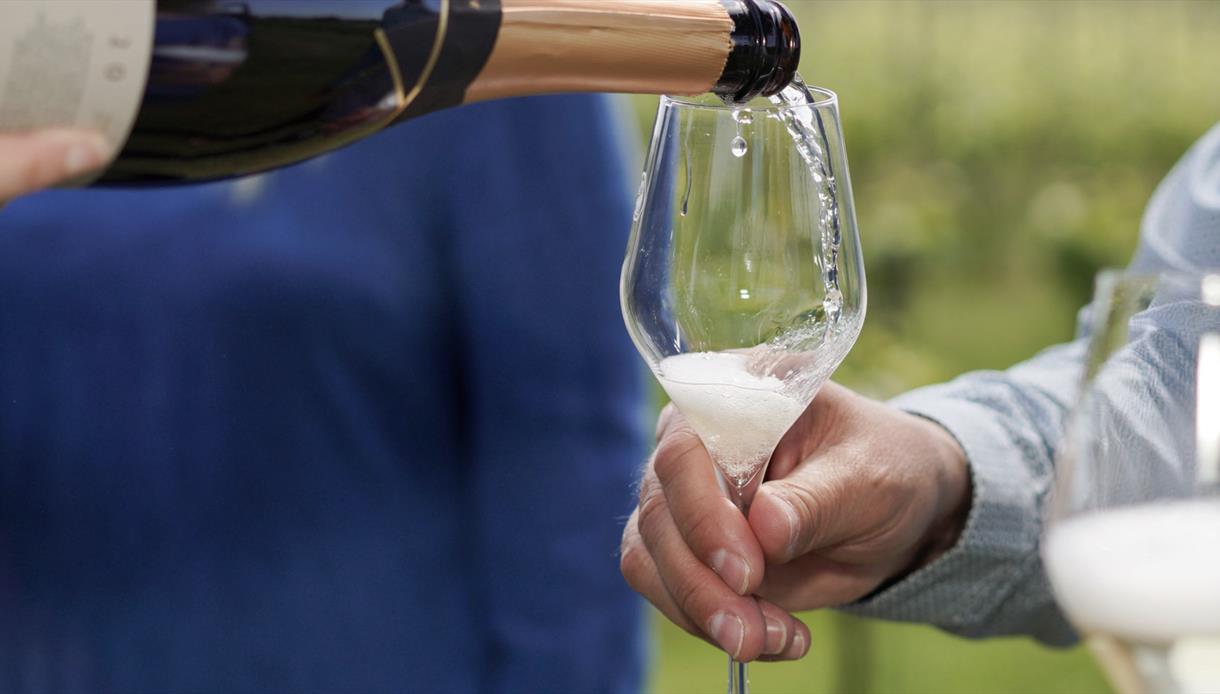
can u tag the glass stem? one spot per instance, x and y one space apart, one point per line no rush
738 682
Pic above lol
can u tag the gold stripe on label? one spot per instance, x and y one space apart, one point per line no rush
405 99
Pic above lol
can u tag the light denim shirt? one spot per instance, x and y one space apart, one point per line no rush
992 582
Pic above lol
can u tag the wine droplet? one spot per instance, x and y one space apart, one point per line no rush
743 117
739 147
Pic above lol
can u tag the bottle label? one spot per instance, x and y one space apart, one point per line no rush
77 63
442 47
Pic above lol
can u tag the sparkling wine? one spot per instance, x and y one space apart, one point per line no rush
1143 583
738 413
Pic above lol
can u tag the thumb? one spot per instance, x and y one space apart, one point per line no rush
809 509
30 161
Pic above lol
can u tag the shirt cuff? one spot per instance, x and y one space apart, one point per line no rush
997 551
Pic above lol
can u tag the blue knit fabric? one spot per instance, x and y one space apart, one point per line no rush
366 424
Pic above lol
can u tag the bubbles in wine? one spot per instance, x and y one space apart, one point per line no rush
739 413
741 402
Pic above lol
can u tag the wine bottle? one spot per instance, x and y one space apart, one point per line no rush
205 89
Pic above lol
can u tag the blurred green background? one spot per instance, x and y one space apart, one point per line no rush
1000 153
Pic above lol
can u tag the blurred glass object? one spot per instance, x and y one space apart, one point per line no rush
1133 540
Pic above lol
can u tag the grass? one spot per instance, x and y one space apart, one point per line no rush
855 655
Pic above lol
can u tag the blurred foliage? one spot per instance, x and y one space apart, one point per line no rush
1001 153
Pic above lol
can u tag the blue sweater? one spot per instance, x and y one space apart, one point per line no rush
366 424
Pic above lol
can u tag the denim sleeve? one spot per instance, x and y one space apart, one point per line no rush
1008 423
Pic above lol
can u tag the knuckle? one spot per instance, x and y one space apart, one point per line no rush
885 488
648 484
664 419
630 534
651 513
632 565
688 594
673 451
702 532
806 502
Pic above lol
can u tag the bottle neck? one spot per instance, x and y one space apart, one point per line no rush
636 46
457 51
765 53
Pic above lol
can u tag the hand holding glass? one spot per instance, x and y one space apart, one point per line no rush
743 285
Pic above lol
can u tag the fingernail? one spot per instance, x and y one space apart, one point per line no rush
798 644
86 155
777 634
728 630
732 569
794 521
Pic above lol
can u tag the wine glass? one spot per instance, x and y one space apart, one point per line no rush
1133 536
743 285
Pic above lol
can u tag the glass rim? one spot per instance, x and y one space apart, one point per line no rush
823 98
